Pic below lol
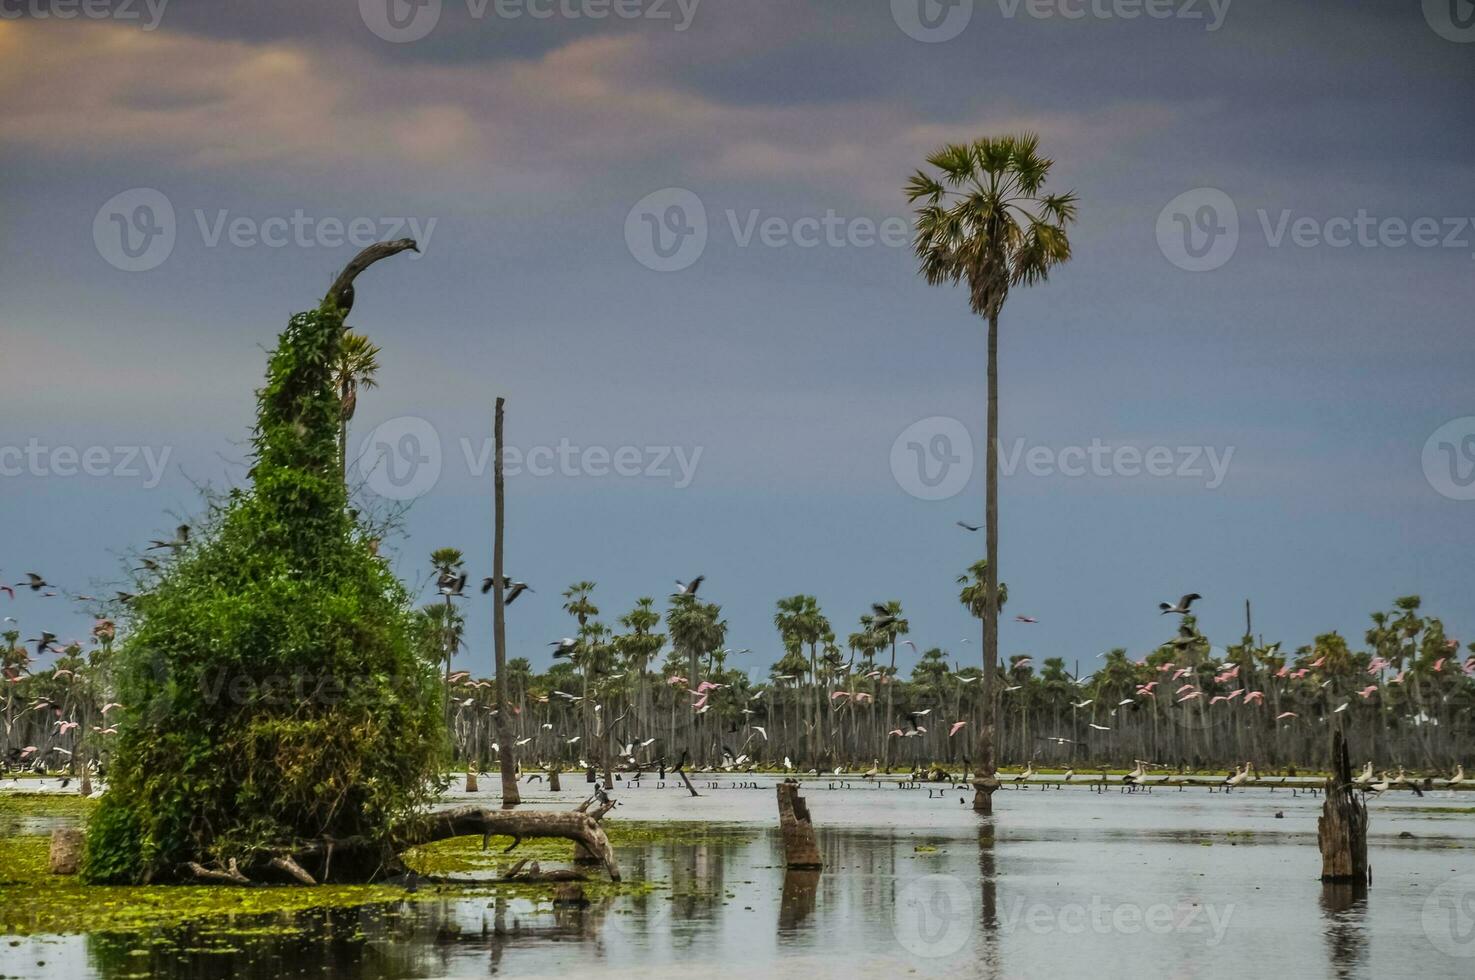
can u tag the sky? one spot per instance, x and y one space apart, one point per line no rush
673 236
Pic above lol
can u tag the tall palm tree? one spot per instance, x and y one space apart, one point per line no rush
800 623
637 647
888 630
985 219
358 363
578 604
448 563
696 629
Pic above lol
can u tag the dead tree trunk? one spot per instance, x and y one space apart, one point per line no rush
505 760
356 860
1342 829
582 854
800 851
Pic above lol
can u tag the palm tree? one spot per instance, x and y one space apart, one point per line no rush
638 646
696 629
799 623
448 563
358 363
977 584
985 219
891 628
578 605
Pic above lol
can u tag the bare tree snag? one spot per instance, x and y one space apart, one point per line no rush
581 828
65 857
232 876
800 851
1341 830
582 854
290 867
341 293
505 760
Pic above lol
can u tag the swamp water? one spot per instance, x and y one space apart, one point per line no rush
1061 883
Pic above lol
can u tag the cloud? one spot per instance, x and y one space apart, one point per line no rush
590 111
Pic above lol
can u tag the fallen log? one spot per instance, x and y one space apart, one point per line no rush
581 828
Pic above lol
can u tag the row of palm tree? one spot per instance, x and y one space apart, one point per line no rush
638 693
1187 704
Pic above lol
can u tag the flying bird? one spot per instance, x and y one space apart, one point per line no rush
1182 607
970 527
180 539
689 588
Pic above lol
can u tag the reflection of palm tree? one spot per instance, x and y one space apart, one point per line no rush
985 219
358 363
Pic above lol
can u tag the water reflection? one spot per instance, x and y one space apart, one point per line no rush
1344 907
989 955
801 888
1009 895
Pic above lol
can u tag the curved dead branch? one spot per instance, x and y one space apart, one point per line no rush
341 294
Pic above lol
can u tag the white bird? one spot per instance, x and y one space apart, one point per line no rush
690 588
787 764
1099 728
1182 607
761 731
1083 704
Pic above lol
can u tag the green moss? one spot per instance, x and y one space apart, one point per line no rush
37 902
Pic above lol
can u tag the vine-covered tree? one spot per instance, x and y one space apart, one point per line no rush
273 688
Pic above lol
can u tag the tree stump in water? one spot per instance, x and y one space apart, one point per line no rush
470 781
66 851
793 820
1341 831
553 780
983 793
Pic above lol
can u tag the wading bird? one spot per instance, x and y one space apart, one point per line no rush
1182 607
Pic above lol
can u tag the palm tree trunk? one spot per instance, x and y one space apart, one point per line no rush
987 765
510 796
